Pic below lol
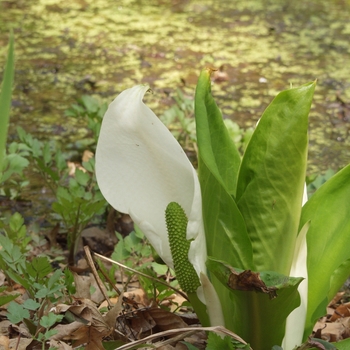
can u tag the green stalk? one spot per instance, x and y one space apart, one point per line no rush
5 99
200 309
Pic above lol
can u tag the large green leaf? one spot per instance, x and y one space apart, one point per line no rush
215 145
225 229
226 237
260 302
5 99
343 345
218 162
328 242
271 179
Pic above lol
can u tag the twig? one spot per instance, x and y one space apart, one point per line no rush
143 274
97 277
110 282
175 339
217 329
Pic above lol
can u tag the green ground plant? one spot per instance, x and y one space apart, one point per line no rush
91 110
44 285
13 180
77 198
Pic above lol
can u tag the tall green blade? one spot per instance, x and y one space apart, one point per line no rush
218 164
271 179
5 99
215 145
219 161
328 242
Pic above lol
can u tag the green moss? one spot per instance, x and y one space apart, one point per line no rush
166 44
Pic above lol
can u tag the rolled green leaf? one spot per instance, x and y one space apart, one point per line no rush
215 145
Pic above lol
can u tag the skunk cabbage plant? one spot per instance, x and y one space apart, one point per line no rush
273 260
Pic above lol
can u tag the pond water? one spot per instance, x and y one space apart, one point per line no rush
68 48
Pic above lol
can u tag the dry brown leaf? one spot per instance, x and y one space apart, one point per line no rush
60 345
90 331
176 300
21 329
336 299
82 286
64 331
4 327
346 323
166 320
87 155
138 296
136 323
20 344
60 308
333 332
89 328
343 310
249 281
4 342
140 323
2 278
91 336
111 317
166 347
72 166
181 346
52 235
82 313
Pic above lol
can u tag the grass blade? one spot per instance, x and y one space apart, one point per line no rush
5 98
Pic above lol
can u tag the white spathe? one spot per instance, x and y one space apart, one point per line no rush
141 168
295 323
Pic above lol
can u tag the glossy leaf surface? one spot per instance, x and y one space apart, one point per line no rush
271 178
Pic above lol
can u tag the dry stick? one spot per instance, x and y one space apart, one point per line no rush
110 282
217 329
97 277
143 274
174 339
18 340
